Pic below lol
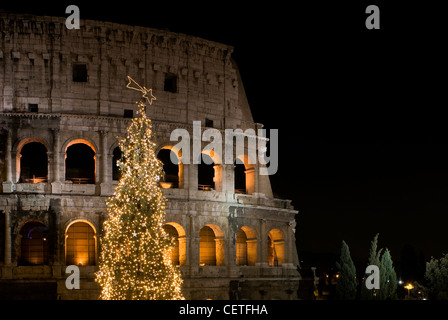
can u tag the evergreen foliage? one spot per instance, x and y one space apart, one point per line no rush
346 285
135 258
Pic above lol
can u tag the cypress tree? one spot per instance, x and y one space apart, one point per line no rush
388 280
346 286
374 259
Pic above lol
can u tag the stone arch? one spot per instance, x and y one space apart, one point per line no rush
85 141
177 232
32 165
276 248
112 147
215 156
246 246
23 141
80 161
75 220
80 243
211 246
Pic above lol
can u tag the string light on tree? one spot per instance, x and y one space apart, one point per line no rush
135 261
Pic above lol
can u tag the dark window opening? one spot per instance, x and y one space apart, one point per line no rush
206 173
80 72
80 164
116 171
170 170
170 84
33 163
128 113
34 248
240 177
33 107
209 123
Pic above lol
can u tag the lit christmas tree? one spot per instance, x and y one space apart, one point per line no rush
135 261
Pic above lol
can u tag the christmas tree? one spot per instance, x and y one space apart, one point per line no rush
135 260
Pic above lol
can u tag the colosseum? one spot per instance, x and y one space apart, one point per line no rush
64 106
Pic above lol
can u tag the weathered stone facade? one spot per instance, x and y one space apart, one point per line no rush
60 88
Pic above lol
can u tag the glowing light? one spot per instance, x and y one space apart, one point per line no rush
166 185
135 262
135 86
409 286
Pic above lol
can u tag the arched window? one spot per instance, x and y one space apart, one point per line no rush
33 163
80 163
171 172
34 248
276 248
80 244
116 173
211 246
206 173
246 247
177 233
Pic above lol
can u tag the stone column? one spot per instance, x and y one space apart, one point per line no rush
50 161
232 267
183 249
280 249
59 240
193 246
182 174
105 167
263 257
191 171
289 247
6 270
218 178
220 252
228 177
58 166
7 238
8 185
105 174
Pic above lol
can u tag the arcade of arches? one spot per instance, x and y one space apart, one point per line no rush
81 245
80 166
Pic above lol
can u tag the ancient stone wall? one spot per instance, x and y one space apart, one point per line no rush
61 88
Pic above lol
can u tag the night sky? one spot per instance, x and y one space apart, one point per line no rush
360 113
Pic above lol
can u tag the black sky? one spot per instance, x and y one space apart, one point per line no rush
361 113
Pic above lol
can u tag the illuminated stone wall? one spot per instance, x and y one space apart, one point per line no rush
63 88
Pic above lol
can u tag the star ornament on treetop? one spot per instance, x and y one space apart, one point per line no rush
146 93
